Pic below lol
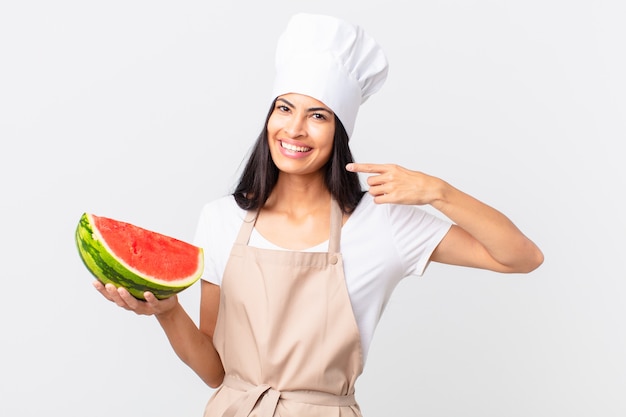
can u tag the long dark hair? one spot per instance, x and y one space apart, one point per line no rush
260 174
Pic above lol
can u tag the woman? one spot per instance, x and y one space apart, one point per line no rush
300 262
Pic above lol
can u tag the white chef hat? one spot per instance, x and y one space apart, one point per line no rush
330 60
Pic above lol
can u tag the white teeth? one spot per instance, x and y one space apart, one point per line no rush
295 148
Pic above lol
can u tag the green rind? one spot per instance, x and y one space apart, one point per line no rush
108 269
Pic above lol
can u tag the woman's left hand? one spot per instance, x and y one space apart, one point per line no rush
391 183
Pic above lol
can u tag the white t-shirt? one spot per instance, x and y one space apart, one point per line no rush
380 245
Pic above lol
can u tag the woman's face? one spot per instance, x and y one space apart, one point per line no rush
300 134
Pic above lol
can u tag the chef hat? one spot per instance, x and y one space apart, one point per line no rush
330 60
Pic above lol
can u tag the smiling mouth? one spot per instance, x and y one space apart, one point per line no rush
294 148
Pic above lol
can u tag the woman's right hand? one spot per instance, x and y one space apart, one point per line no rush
151 306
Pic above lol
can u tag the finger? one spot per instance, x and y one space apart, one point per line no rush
127 297
367 168
111 290
158 306
377 180
382 194
377 190
99 286
383 199
114 295
151 300
150 297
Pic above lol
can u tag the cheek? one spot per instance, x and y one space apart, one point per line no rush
326 132
326 137
272 125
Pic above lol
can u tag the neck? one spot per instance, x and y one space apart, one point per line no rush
296 193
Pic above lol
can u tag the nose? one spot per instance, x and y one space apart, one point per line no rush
295 126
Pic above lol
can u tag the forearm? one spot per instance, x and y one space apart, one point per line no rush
495 232
192 346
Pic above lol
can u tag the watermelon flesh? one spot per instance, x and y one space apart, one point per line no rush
136 258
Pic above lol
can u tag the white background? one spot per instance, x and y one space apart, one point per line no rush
144 110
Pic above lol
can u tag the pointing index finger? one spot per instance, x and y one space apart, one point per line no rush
368 168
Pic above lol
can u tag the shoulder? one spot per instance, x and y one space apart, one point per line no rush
217 228
366 209
224 203
393 237
369 211
395 224
219 219
221 209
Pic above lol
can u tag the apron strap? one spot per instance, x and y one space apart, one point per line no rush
336 220
246 227
267 398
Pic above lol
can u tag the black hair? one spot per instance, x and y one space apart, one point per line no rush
260 174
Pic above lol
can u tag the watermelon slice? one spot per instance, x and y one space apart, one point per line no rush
135 258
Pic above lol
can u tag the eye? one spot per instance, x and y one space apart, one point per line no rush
282 108
319 116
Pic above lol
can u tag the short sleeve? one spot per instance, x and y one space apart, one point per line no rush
203 239
416 234
216 231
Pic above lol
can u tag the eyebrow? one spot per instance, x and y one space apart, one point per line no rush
312 109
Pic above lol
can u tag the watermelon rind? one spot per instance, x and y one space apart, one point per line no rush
107 268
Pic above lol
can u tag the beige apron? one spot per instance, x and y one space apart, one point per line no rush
286 332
